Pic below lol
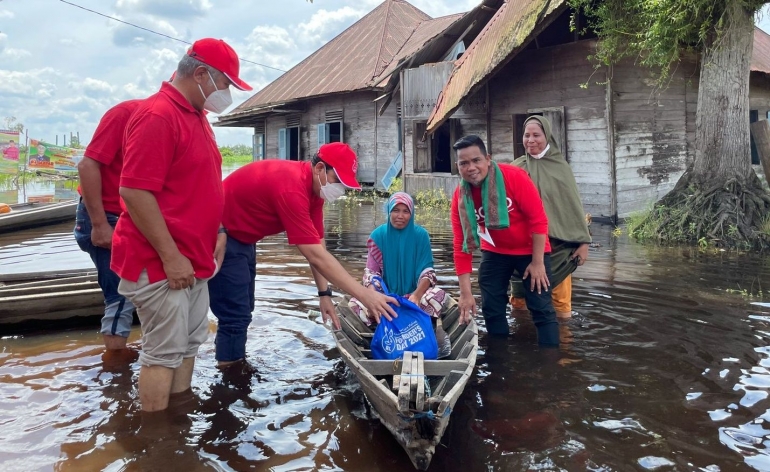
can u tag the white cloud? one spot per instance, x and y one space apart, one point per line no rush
66 79
175 9
324 24
126 35
10 53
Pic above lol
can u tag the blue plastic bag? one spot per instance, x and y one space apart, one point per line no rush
411 331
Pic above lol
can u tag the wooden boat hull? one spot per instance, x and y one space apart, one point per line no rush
417 421
30 215
48 300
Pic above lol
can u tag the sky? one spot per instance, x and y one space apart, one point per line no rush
62 67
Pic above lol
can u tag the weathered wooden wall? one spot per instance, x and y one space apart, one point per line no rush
359 112
654 132
759 94
552 77
387 138
415 183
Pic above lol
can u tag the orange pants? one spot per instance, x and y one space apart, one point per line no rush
561 295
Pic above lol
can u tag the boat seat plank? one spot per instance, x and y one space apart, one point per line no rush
451 396
353 319
10 284
458 345
447 383
430 367
12 291
452 314
404 388
352 349
466 350
353 333
419 377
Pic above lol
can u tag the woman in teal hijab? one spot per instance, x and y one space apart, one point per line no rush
400 253
567 228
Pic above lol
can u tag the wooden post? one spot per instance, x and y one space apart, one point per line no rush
761 132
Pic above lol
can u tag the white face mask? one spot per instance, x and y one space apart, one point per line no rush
219 100
331 192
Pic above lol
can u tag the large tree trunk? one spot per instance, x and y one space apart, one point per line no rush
722 143
719 199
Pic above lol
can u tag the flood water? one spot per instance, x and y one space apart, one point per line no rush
664 369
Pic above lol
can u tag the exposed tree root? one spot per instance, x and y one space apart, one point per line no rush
732 214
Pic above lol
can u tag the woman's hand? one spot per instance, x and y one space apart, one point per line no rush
581 254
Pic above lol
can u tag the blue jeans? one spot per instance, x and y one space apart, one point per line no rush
118 312
495 274
231 294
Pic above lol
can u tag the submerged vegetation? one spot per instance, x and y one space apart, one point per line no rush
719 218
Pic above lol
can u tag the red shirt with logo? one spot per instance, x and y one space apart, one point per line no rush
171 152
525 213
106 147
271 196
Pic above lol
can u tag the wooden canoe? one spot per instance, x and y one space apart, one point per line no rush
47 300
413 397
30 215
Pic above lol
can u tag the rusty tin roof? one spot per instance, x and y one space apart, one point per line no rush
351 61
507 32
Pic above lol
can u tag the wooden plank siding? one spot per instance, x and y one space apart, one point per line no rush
359 118
552 77
654 132
387 139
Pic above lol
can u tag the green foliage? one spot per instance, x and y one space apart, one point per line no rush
239 154
397 185
432 199
656 32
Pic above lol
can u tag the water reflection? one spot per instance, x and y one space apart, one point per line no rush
662 370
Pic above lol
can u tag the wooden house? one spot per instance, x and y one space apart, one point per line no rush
345 90
627 142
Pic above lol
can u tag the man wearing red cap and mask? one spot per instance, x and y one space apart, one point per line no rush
269 197
167 245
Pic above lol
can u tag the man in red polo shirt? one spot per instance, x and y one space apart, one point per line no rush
164 248
498 209
268 197
98 212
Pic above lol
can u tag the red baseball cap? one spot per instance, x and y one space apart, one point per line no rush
219 55
343 159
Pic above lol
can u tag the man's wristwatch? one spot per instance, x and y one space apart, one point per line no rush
222 230
325 293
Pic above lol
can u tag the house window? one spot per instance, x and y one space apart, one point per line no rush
258 141
754 117
558 128
435 154
288 143
259 146
331 130
288 139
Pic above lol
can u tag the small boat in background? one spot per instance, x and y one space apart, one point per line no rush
56 299
413 397
31 215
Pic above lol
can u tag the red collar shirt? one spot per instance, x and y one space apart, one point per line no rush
170 151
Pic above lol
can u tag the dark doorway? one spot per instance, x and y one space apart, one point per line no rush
335 132
293 148
442 149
